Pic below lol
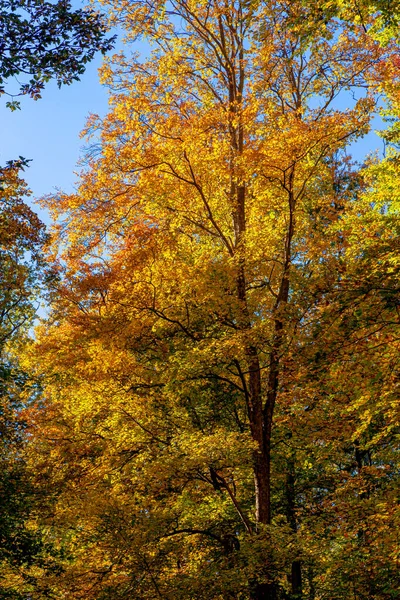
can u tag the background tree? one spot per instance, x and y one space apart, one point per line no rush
21 241
21 276
45 40
39 41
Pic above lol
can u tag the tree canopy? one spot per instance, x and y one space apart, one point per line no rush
218 408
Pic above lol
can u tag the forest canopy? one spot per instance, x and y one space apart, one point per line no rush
212 400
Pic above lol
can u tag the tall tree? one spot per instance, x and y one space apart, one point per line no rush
205 241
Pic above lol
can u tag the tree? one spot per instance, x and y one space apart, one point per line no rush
21 241
44 40
197 261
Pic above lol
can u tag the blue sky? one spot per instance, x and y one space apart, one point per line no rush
47 130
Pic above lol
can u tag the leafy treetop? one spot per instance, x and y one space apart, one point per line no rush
44 41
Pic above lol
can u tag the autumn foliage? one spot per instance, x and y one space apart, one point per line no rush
219 368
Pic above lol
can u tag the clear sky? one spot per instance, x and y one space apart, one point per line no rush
47 130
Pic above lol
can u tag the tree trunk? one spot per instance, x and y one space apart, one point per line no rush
264 591
295 576
297 588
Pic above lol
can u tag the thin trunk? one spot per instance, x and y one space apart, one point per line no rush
297 585
311 584
295 576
